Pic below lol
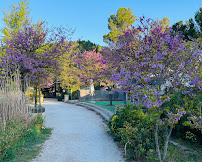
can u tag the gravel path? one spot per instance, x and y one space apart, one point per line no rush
79 135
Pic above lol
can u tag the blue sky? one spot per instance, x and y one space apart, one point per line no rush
90 17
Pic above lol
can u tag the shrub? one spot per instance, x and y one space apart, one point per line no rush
134 129
75 95
99 87
60 97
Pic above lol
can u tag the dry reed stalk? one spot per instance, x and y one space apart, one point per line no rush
13 102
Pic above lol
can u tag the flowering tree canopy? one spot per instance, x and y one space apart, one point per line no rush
34 50
91 65
149 57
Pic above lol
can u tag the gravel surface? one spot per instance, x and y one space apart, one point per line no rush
79 135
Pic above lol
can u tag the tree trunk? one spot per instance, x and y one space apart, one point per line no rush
35 96
126 97
157 143
55 87
39 97
166 142
110 99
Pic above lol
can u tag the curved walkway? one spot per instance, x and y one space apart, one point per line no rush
78 135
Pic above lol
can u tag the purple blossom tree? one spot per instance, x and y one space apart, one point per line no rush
34 50
147 59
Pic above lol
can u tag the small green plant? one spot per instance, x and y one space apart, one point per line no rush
60 97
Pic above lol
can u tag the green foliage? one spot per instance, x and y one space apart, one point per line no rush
190 136
118 23
16 17
99 87
75 95
192 29
165 22
68 71
17 141
9 136
134 129
38 120
198 19
87 46
60 97
25 149
191 106
189 29
192 32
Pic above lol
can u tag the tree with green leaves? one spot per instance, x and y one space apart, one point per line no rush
15 18
68 72
165 22
179 26
198 19
192 29
86 45
189 30
118 23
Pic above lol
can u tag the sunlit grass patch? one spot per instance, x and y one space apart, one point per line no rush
24 145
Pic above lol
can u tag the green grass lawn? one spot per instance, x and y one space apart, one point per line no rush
106 104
